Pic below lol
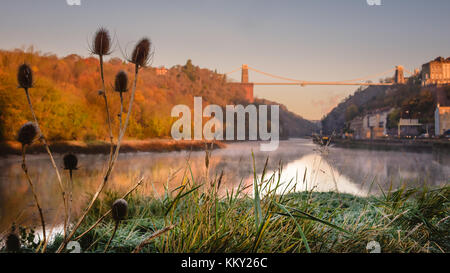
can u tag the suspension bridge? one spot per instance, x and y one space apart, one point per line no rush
399 78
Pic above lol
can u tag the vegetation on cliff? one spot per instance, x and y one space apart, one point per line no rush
408 101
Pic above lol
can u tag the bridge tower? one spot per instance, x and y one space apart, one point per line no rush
244 75
248 87
399 76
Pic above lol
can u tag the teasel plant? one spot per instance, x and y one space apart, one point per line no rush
121 86
119 211
26 136
101 46
141 56
12 242
25 80
140 181
71 164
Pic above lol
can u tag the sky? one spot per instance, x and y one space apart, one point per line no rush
316 40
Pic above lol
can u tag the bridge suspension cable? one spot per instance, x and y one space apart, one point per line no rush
345 81
273 76
236 70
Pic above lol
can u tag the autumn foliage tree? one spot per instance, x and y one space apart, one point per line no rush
67 92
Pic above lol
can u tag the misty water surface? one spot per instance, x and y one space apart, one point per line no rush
356 171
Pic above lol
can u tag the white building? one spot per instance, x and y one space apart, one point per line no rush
441 119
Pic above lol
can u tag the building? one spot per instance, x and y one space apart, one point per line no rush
376 123
372 125
436 72
408 127
161 71
441 119
357 127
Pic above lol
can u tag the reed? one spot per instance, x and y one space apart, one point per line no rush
26 136
25 81
121 86
141 56
71 164
12 243
119 212
101 46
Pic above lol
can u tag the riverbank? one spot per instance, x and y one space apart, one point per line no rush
426 145
406 220
102 147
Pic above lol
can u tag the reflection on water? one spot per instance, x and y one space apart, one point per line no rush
358 172
312 172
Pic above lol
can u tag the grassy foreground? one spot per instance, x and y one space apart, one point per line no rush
405 220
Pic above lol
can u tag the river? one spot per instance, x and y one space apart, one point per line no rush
355 171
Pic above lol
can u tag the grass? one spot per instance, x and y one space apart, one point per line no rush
403 220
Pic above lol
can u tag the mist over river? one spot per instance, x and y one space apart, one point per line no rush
355 171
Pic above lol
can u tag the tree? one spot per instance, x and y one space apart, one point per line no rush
189 70
351 112
393 118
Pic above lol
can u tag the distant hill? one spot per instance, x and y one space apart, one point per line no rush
291 124
66 100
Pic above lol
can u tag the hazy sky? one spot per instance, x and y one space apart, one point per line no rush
324 40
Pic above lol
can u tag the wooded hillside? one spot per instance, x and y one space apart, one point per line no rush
66 100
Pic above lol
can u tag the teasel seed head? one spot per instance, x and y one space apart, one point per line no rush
121 82
12 242
70 162
25 76
141 53
119 210
102 42
27 133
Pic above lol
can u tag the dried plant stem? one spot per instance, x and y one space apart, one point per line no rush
153 236
111 138
41 214
109 211
70 199
44 141
121 111
112 236
110 167
130 108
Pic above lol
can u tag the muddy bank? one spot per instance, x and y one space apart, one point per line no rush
101 147
425 145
